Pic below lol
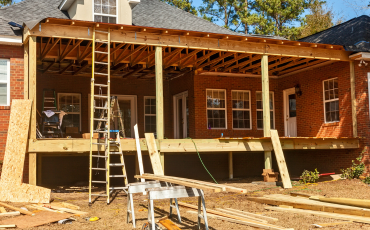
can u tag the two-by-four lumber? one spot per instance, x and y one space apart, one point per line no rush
2 210
222 186
153 154
240 215
17 209
16 213
253 214
179 182
251 222
283 169
358 219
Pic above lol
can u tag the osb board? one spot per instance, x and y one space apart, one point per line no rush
154 155
41 218
16 142
11 187
24 193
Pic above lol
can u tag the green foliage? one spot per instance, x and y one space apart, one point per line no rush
356 170
318 19
185 5
6 3
367 180
309 176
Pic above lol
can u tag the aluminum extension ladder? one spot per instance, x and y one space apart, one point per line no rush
109 147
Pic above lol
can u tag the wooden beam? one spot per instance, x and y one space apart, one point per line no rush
82 57
154 154
191 42
32 158
50 48
186 146
216 60
241 56
151 53
192 54
266 106
120 58
69 51
353 98
159 92
308 64
26 75
244 63
137 57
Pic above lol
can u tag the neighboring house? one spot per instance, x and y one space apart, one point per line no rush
212 87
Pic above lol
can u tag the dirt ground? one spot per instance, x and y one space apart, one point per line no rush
113 216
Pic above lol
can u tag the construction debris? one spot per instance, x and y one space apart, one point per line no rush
10 214
270 176
344 201
330 224
17 209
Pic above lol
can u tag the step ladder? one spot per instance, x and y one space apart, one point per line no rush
49 101
103 105
50 126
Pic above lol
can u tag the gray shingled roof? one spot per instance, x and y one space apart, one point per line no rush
354 35
149 13
154 13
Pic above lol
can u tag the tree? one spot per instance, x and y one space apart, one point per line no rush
185 5
224 11
319 18
276 17
5 3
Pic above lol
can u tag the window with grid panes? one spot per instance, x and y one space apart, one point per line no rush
331 100
105 11
216 109
71 104
150 123
4 82
241 109
260 110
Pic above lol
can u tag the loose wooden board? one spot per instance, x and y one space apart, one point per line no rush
280 159
41 218
358 219
153 154
11 185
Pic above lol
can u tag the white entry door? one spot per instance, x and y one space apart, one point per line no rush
181 115
290 113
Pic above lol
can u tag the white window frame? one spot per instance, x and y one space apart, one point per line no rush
273 109
107 15
70 94
152 115
330 100
217 109
7 82
236 109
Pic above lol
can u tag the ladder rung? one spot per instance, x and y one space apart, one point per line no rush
49 98
99 156
104 74
103 169
98 182
49 107
116 164
101 52
115 153
101 31
101 108
99 131
99 195
101 85
117 176
112 188
100 119
100 96
102 63
105 42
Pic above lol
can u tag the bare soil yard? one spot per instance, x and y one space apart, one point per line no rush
113 216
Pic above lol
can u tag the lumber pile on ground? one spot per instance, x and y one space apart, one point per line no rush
193 183
11 187
237 216
319 206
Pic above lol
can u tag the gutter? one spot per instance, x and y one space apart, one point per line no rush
11 40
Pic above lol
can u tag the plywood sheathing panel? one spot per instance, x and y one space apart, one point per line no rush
11 187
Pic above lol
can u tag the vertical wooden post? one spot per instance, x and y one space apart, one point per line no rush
32 157
266 106
231 169
25 71
353 99
159 96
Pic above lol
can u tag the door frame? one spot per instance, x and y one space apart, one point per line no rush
286 92
133 108
183 96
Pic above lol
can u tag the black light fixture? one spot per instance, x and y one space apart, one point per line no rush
298 90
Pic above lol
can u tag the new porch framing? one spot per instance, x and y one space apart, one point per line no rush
59 41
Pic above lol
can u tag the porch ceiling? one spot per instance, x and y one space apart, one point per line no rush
64 49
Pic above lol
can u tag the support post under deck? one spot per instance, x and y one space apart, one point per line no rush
32 157
159 96
266 106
